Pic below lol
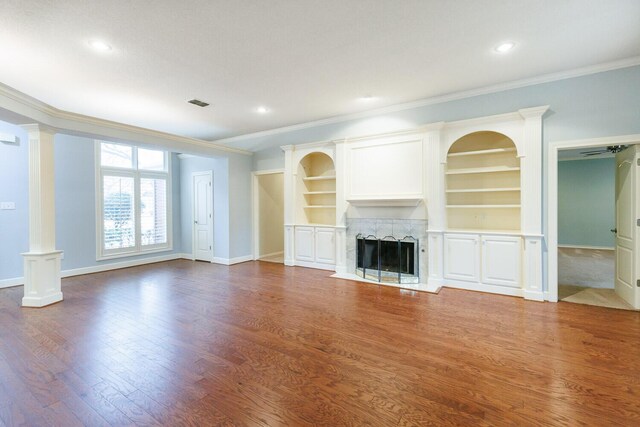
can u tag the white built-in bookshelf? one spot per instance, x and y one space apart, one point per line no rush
483 183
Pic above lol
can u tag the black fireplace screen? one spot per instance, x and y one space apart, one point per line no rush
387 260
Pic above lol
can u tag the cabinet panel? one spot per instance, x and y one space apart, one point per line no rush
325 245
462 257
304 243
501 257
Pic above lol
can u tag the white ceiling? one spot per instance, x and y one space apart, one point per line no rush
304 59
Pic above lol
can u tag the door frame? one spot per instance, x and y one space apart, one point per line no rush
193 210
255 208
552 198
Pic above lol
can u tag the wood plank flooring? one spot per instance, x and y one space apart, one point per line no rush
187 343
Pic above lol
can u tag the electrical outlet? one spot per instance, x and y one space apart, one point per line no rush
7 206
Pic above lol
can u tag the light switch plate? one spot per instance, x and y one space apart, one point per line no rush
7 206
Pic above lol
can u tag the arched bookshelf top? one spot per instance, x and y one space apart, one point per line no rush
482 142
316 189
316 164
483 183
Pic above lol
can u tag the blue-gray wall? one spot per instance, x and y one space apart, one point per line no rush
76 203
586 202
14 224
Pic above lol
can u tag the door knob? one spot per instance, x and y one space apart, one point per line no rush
614 230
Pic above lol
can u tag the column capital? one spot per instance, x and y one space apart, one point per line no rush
32 128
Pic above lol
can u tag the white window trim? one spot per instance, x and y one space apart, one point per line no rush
100 171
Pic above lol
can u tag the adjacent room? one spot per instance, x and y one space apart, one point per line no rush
362 212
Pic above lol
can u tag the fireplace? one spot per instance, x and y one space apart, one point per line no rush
387 260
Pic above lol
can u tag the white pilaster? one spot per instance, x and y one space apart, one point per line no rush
531 183
289 206
341 207
42 263
436 210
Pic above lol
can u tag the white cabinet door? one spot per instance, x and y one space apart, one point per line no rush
304 243
325 245
501 260
462 257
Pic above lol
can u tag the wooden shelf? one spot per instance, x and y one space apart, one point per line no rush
313 193
319 178
482 170
484 206
481 152
319 207
483 190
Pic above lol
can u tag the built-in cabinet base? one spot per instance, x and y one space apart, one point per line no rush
491 263
315 247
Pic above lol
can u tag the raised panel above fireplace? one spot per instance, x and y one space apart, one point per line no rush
385 171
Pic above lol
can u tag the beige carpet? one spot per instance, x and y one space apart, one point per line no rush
592 296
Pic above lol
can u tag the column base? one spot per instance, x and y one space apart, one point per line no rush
42 283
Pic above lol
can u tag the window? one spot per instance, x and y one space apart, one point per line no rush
133 203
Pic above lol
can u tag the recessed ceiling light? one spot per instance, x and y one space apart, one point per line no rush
262 110
100 45
367 98
504 47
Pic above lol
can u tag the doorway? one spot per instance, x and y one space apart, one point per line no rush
202 190
268 218
596 226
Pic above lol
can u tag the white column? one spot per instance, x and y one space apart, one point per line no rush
436 212
289 206
531 183
341 207
42 263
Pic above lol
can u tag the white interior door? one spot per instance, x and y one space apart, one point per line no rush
626 239
203 216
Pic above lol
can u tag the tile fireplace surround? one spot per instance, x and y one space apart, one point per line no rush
380 228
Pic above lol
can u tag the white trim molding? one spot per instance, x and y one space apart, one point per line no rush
552 197
232 261
78 124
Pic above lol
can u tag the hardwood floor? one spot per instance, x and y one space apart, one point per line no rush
185 343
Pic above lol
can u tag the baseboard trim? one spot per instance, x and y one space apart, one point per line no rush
481 287
232 261
316 265
19 281
10 283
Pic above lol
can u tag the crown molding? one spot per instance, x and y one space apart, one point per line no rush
545 78
44 115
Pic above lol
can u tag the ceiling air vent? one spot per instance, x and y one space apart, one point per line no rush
198 103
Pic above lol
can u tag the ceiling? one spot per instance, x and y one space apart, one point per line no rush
304 59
